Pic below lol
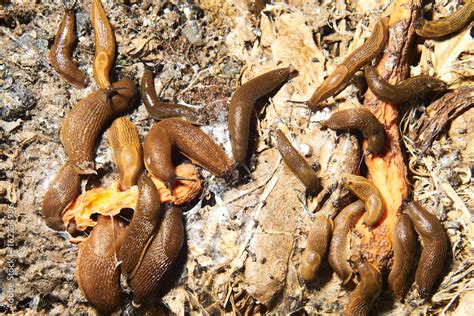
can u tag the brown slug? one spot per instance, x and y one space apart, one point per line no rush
242 104
104 45
157 260
404 242
190 141
60 54
447 25
365 190
317 245
368 289
83 124
297 164
126 150
435 246
339 250
96 271
364 121
62 190
142 226
404 90
340 77
160 110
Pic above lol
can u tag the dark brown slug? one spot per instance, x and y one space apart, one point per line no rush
365 190
142 226
447 25
60 54
369 288
404 242
403 91
340 77
96 271
190 141
161 254
126 150
364 121
339 250
242 104
104 45
83 124
161 110
317 245
62 190
435 247
297 164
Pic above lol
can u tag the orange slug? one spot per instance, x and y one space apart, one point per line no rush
364 121
96 271
403 91
404 241
190 141
104 45
340 77
447 25
369 288
60 54
86 120
62 190
127 151
435 247
242 104
339 250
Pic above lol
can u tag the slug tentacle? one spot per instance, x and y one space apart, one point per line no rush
369 288
340 77
404 90
60 54
96 271
317 245
339 250
447 25
435 247
404 241
161 110
86 120
297 164
364 121
126 151
242 104
62 190
190 141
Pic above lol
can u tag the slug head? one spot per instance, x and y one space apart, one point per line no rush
310 262
121 94
130 165
373 210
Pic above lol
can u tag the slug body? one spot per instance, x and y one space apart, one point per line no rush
126 150
369 288
242 104
161 254
367 192
448 25
340 77
364 121
190 141
405 90
435 247
297 164
104 45
142 227
317 245
96 271
160 110
62 190
339 251
404 241
83 124
60 54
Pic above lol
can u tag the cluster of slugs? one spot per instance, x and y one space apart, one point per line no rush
133 258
